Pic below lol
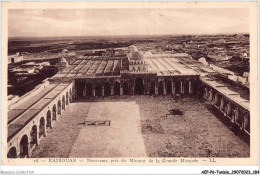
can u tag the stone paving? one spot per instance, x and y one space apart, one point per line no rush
140 128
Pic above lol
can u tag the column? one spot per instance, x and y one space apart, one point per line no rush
132 90
112 89
85 91
222 104
156 88
216 99
210 95
164 89
182 89
121 89
103 91
173 88
93 91
228 109
190 88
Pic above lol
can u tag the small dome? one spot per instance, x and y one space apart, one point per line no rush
64 51
137 55
63 60
148 54
133 48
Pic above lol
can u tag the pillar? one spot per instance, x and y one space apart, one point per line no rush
173 88
85 91
121 89
103 91
156 88
93 91
133 90
210 95
228 109
182 88
222 104
112 89
190 88
216 99
164 89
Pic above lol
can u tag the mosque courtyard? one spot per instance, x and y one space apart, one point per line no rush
141 126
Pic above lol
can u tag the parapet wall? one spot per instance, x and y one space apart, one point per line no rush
14 103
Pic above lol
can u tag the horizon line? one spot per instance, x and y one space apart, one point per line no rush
129 35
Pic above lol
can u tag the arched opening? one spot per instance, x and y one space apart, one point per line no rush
117 88
168 87
139 86
48 119
178 87
24 149
80 89
12 153
186 87
98 89
247 122
70 97
54 112
107 89
67 98
33 135
152 88
59 107
42 127
88 89
63 102
160 88
125 88
12 60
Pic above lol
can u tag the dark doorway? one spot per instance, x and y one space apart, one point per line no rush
70 97
42 127
186 87
98 89
160 88
107 89
178 87
139 86
116 88
12 153
59 107
12 60
169 87
54 112
80 89
88 89
33 135
48 120
125 88
24 149
67 98
63 102
152 88
195 87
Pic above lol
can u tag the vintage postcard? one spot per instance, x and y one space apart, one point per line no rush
129 83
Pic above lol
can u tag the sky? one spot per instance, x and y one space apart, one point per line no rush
94 22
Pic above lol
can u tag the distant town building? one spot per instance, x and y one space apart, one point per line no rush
203 61
18 57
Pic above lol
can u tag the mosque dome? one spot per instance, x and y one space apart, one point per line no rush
137 55
133 48
63 60
148 54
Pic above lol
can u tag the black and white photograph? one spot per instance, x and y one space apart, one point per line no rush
92 84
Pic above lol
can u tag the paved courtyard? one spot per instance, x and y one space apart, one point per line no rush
139 128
